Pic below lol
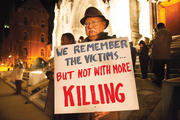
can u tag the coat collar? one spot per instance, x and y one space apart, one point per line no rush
101 36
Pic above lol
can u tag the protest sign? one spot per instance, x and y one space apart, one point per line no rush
94 77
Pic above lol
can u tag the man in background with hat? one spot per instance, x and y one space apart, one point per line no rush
95 23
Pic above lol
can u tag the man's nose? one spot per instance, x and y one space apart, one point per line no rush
91 25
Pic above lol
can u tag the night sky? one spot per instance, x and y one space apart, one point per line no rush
4 12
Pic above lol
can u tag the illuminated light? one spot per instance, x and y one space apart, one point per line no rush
2 64
54 34
10 56
37 72
161 9
154 1
120 21
161 14
144 20
62 22
168 2
6 26
4 68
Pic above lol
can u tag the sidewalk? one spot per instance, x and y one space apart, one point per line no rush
149 96
12 107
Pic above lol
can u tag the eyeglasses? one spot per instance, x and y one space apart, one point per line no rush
94 23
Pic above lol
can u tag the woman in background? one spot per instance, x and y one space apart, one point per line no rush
66 39
143 58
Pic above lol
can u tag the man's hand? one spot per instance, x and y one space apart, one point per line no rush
100 114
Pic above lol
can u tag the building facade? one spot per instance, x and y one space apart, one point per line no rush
136 19
28 35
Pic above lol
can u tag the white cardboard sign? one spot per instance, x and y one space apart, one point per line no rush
94 77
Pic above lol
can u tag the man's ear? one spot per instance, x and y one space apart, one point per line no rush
104 24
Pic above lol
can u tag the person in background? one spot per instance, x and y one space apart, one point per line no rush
161 52
95 23
143 58
66 39
18 72
81 39
151 62
133 54
49 105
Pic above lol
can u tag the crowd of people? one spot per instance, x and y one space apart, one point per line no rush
154 56
158 60
95 23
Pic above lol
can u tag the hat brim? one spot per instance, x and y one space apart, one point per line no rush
84 19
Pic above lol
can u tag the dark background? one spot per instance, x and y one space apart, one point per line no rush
6 7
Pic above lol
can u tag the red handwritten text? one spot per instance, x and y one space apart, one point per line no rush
64 75
108 94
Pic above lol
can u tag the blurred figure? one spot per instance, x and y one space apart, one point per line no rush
67 38
18 72
143 58
133 54
49 105
161 52
81 39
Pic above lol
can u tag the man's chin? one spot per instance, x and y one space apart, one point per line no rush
92 35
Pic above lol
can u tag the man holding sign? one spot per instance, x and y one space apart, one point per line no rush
95 76
95 23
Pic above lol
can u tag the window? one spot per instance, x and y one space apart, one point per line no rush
6 29
25 36
42 52
25 52
42 24
42 38
25 21
6 26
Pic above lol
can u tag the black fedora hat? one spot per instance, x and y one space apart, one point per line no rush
93 12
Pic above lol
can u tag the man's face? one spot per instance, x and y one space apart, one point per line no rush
94 26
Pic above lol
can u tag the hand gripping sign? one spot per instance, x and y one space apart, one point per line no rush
94 77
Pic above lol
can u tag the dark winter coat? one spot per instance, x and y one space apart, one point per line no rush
143 54
102 36
161 45
143 57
